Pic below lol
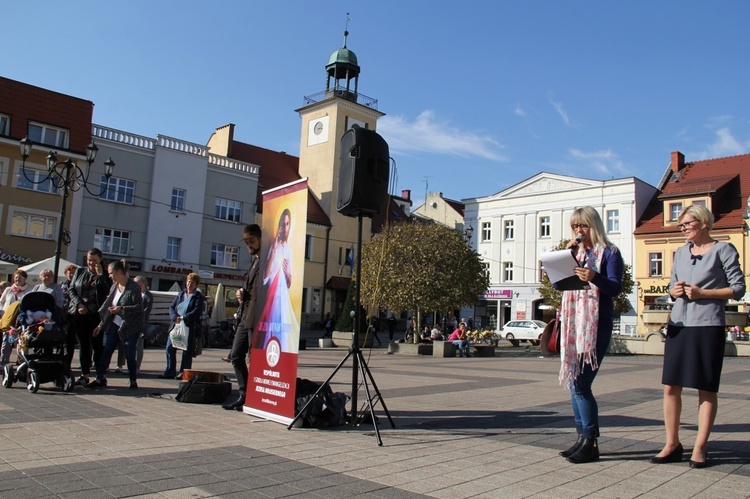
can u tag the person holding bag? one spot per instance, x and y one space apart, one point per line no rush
121 320
186 309
586 319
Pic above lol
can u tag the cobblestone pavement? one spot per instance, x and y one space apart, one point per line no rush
476 427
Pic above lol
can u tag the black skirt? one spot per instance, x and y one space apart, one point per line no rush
693 357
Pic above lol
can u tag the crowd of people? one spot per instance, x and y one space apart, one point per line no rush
104 309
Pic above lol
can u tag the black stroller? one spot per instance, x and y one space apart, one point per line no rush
41 345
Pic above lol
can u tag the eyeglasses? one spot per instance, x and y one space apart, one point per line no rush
686 225
579 226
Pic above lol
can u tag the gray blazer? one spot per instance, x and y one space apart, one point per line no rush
132 310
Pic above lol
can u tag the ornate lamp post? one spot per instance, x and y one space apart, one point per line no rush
468 233
68 176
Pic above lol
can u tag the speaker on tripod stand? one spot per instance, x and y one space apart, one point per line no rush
363 191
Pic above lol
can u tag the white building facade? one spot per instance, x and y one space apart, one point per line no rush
513 227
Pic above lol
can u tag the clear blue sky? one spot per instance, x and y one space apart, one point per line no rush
478 95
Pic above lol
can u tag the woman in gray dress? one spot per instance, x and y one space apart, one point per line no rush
705 274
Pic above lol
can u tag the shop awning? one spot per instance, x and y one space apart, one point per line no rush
338 283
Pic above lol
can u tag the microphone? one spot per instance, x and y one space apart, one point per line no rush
579 239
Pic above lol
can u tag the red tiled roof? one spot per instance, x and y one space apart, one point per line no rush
278 168
394 214
456 205
727 180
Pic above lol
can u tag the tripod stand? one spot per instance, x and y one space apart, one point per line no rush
359 365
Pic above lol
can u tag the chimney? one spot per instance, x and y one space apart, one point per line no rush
406 194
678 161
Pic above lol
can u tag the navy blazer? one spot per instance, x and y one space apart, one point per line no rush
192 316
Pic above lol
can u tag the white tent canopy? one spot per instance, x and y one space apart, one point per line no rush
6 268
219 312
33 269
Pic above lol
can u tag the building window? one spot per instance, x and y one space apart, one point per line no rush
315 305
118 190
655 264
308 247
674 211
544 227
226 209
178 200
486 231
48 135
224 256
507 271
37 181
30 225
486 268
509 232
4 124
613 220
173 249
701 202
116 242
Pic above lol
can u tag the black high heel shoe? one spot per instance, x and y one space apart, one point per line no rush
587 452
570 451
673 457
699 464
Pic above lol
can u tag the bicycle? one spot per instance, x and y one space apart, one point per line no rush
222 337
157 335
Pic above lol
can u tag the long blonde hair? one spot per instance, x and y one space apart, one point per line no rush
589 216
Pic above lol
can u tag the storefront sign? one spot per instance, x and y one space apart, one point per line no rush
230 277
166 269
15 258
496 293
657 290
135 266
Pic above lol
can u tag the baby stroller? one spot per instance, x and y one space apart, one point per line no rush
41 345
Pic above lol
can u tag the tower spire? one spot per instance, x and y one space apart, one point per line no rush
346 28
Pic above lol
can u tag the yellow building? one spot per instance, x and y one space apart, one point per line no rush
723 186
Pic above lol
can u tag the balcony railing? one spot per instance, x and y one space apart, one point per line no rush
181 145
131 139
233 164
344 94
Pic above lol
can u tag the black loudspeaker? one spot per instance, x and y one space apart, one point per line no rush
363 177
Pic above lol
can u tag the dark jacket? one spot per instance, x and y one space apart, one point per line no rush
250 296
192 316
148 304
132 310
88 290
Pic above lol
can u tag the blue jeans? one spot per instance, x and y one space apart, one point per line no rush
111 340
187 357
585 408
463 347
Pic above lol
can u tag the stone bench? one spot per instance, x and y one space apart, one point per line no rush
341 339
483 350
410 348
443 349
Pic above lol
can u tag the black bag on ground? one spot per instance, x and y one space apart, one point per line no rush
326 409
198 392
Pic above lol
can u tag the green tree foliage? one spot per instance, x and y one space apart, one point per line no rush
420 267
346 322
553 297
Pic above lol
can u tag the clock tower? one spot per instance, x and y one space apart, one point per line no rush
326 116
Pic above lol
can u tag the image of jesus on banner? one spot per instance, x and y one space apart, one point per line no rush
277 319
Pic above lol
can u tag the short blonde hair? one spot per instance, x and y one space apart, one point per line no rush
700 213
193 277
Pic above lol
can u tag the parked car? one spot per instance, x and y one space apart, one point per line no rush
515 331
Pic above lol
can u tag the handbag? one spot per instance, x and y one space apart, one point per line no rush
179 336
550 342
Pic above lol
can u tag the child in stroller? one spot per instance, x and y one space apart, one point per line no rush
41 344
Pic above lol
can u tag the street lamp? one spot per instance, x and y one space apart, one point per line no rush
68 176
468 233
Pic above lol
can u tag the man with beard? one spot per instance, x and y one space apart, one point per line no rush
241 344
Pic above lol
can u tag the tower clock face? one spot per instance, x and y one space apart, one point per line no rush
318 131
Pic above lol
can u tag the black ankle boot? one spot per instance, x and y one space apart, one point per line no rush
587 452
570 451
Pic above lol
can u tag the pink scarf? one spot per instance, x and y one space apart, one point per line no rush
18 291
579 321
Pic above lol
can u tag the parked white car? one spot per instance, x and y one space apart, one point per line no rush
523 330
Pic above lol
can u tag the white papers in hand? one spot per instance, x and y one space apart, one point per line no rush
559 265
